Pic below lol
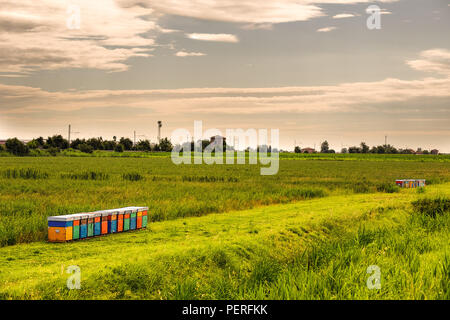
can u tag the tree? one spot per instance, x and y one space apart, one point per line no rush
57 141
86 148
143 145
126 143
324 147
119 148
32 144
109 145
354 150
95 143
75 143
40 142
364 148
426 152
165 145
297 149
344 150
17 147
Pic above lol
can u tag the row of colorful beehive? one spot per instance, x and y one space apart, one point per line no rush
85 225
410 183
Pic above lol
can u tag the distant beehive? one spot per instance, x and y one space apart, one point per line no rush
410 183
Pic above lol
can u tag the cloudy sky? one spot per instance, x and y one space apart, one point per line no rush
311 68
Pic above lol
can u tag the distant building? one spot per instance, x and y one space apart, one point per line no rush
308 150
434 151
2 142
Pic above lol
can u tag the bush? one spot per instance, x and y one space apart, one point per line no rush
388 188
53 151
85 148
88 175
432 207
119 148
132 176
17 147
29 173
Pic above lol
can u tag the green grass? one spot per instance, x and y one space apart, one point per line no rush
33 188
312 249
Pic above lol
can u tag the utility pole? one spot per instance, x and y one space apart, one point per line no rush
385 140
70 132
134 140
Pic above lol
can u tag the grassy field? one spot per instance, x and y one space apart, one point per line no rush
226 232
32 188
313 249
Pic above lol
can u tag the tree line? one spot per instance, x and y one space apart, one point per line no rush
57 143
364 148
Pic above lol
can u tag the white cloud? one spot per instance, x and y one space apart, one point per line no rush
345 97
218 37
189 54
326 29
247 11
343 15
34 35
434 60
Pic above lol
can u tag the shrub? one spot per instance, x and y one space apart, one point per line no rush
88 175
53 151
132 176
29 173
432 207
388 188
17 147
119 148
85 148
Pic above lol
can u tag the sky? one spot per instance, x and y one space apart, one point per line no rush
310 68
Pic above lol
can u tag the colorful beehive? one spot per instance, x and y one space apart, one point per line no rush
97 223
90 225
133 218
76 226
60 228
112 221
120 217
84 225
104 221
144 217
410 183
126 220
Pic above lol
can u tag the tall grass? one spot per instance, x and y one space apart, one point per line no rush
132 176
46 186
28 173
432 207
87 175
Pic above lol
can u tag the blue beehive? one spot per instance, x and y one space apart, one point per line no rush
83 225
97 223
112 221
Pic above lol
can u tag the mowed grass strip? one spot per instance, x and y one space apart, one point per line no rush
47 186
315 249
